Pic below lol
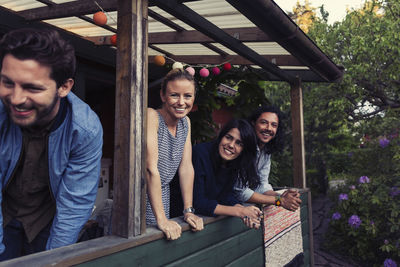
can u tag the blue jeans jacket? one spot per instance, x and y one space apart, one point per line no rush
74 155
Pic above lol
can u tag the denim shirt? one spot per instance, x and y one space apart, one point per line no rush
74 160
263 168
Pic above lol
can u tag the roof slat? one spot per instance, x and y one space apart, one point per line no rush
192 18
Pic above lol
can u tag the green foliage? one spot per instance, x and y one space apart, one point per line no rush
376 203
366 45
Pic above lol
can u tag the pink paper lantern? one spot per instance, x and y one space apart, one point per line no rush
191 70
204 72
216 71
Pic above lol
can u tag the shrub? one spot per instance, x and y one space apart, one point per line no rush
365 217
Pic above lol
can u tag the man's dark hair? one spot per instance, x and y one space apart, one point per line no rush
243 168
44 46
276 144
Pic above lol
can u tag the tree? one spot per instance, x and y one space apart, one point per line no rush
303 15
366 43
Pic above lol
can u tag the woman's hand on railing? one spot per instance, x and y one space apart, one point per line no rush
252 223
251 216
195 222
171 229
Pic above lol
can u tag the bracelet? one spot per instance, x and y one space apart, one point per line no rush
188 210
278 201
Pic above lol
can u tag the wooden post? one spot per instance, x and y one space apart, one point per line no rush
299 165
130 119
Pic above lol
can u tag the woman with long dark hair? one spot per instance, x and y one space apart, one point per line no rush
218 165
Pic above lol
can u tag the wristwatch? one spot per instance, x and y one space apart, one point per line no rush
188 210
278 201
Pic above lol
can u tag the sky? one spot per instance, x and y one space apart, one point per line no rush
336 8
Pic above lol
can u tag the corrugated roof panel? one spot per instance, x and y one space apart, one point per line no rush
186 49
267 48
163 28
218 12
18 5
78 26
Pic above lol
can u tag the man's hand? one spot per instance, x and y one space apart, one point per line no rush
195 222
171 229
290 200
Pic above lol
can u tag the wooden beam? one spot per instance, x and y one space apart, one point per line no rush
130 119
68 9
280 60
270 18
71 9
198 22
188 37
299 165
241 34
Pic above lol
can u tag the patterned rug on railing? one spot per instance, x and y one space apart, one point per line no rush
282 237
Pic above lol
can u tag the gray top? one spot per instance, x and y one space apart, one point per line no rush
263 168
170 151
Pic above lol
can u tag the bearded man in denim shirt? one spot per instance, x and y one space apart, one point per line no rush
50 145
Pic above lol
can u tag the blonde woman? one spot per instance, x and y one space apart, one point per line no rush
169 150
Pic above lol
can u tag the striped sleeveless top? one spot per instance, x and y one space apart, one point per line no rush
170 151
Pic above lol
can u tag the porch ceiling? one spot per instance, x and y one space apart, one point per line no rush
209 32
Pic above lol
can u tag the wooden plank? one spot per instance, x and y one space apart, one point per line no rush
161 252
73 8
242 34
68 9
269 17
279 60
299 165
253 258
310 229
101 247
198 22
224 252
130 119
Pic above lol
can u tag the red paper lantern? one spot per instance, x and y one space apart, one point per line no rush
216 71
113 40
100 18
227 66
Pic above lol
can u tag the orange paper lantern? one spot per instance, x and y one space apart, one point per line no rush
113 40
159 60
100 18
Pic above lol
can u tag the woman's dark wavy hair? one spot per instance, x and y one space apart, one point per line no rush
243 168
44 46
276 144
